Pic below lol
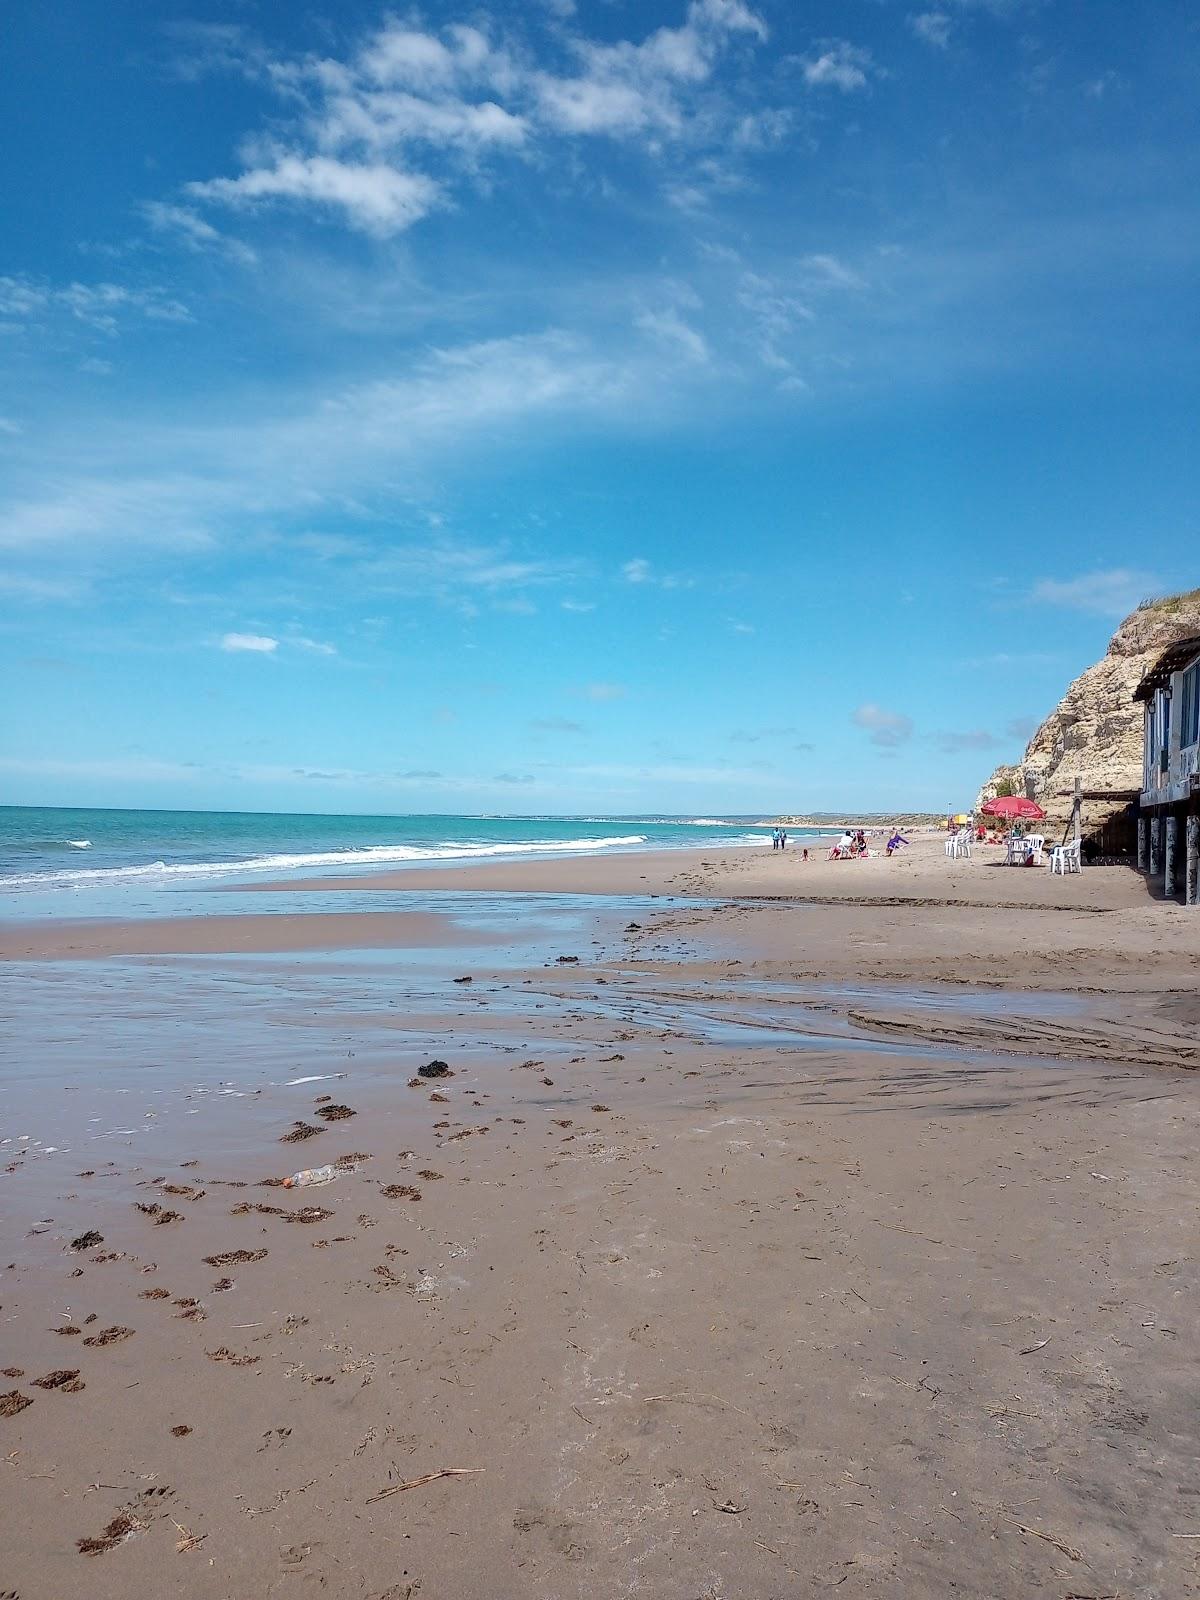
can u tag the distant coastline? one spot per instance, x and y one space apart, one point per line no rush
828 821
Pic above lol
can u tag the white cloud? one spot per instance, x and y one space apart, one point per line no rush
602 693
625 88
23 586
669 329
1097 88
838 64
464 386
827 272
316 646
20 297
355 122
404 55
932 28
100 306
1109 593
578 605
253 643
184 223
370 439
134 512
636 571
8 426
886 728
376 198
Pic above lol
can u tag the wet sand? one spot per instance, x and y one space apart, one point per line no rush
223 935
760 1250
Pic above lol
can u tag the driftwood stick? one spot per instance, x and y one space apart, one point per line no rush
426 1477
1050 1538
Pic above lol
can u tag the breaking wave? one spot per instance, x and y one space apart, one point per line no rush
370 856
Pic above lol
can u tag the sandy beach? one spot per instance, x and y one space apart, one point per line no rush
777 1227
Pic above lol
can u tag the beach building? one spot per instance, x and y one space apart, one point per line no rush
1169 804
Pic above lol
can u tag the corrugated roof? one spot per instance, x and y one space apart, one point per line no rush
1172 659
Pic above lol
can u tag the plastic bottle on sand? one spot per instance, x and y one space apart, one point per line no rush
300 1180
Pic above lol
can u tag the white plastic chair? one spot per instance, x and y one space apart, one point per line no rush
962 843
952 845
1064 858
1034 845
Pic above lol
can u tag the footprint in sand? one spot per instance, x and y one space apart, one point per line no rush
556 1531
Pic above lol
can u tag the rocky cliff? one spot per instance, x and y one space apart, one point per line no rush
1095 731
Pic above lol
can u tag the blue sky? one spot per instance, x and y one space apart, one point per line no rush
704 407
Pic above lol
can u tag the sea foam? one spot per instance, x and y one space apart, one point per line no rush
370 856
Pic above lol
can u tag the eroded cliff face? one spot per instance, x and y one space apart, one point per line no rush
1095 731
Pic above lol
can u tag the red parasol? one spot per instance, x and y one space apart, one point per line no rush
1011 806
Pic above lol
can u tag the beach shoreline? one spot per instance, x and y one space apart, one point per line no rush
775 1223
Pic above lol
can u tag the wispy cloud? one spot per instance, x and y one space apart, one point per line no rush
1110 592
556 725
886 728
639 571
186 225
373 197
932 28
98 306
251 643
338 448
603 693
838 64
670 330
384 136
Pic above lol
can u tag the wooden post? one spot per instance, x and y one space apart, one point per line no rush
1155 845
1077 818
1171 835
1143 855
1192 878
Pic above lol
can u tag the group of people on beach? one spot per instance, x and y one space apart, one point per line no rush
853 846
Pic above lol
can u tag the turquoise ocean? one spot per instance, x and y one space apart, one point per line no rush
49 848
